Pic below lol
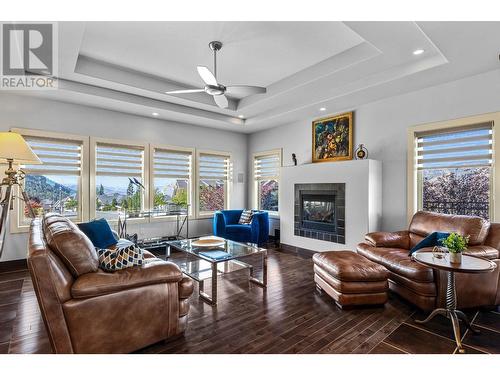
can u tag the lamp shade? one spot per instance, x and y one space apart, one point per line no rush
13 146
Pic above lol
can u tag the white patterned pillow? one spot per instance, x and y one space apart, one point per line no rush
120 258
246 217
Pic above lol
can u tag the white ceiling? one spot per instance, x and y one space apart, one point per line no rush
127 66
257 53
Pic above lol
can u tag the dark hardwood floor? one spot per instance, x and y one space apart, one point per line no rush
290 317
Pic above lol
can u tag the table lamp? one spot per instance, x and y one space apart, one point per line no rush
13 150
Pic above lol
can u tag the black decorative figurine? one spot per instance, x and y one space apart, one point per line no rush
294 158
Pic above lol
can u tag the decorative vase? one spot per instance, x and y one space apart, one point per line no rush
361 152
456 258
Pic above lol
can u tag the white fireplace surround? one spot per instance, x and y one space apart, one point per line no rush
363 199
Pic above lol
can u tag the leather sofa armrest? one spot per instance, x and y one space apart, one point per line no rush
482 251
399 239
186 287
100 283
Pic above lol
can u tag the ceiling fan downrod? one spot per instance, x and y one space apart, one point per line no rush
215 46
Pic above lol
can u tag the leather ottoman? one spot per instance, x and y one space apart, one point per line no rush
350 279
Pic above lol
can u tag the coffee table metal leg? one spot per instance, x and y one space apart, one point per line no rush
212 300
214 283
262 282
201 287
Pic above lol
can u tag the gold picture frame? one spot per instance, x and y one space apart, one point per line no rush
332 138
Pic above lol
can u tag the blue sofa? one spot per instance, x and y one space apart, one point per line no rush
226 226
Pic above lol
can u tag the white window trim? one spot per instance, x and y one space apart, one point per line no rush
93 164
254 185
192 192
412 185
15 226
227 190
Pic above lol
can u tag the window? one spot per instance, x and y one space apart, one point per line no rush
454 170
213 176
266 172
84 177
57 185
119 180
172 171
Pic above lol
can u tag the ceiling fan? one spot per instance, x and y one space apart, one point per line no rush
218 91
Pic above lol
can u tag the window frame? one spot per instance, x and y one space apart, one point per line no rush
228 184
192 192
15 223
414 183
94 141
255 182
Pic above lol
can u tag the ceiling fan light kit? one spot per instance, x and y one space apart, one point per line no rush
214 88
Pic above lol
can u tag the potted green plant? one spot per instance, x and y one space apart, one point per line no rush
456 244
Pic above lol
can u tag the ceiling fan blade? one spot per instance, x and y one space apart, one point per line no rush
221 101
207 76
243 90
184 91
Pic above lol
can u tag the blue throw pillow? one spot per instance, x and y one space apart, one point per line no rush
433 239
99 233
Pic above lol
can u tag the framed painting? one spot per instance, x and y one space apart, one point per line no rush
332 138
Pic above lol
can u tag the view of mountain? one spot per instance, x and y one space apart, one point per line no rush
40 188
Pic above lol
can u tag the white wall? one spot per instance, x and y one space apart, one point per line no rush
35 113
382 127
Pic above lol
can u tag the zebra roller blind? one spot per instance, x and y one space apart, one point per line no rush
214 167
456 148
119 160
172 164
267 167
59 157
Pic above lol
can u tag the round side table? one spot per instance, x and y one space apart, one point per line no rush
469 264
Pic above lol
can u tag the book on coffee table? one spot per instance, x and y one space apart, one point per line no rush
215 254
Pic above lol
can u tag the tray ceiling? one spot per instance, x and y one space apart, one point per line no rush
128 66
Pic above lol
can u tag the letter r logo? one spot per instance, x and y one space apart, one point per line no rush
27 49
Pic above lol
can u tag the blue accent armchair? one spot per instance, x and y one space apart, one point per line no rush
226 226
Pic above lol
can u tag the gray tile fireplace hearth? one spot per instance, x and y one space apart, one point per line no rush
319 211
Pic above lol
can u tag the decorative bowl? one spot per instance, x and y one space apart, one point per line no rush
208 242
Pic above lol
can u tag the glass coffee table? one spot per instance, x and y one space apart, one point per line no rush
201 267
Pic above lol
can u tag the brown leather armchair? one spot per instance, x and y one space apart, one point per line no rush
424 286
87 310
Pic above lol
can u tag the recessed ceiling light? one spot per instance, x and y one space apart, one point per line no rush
322 109
241 116
155 114
418 51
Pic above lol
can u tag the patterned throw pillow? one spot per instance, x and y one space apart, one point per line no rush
246 217
120 258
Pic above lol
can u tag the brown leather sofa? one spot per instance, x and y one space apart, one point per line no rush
424 286
87 310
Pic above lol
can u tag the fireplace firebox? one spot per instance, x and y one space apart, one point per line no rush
320 211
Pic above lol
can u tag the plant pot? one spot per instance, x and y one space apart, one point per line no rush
456 258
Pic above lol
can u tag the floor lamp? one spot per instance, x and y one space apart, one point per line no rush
13 151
